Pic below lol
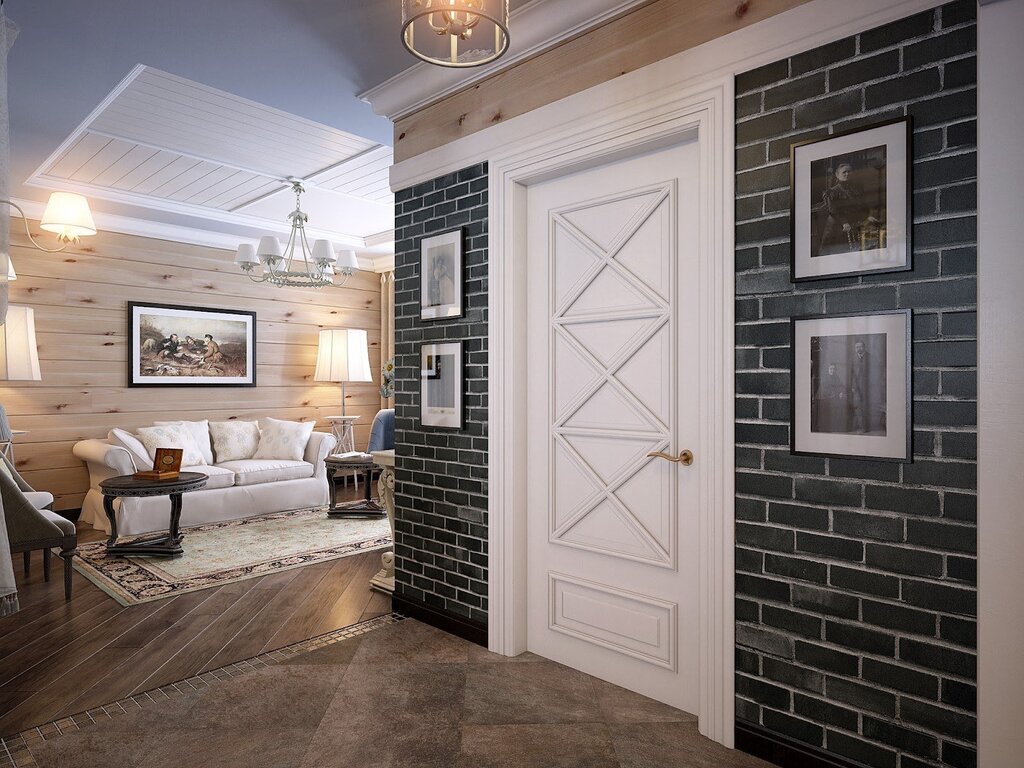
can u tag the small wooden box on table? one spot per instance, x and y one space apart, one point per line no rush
168 545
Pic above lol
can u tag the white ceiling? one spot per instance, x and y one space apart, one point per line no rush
165 143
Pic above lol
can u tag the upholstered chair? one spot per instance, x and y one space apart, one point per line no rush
382 431
31 525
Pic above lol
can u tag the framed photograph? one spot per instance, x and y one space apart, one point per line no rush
441 385
441 276
851 386
173 346
850 202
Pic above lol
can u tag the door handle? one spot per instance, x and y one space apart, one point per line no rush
685 457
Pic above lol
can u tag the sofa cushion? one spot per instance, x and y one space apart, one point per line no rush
283 439
218 476
256 471
200 431
234 440
125 439
171 436
38 499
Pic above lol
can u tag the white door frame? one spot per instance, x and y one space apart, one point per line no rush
617 131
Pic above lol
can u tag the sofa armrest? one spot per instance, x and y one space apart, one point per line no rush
319 448
104 460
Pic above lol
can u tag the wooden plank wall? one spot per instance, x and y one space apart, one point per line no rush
652 32
80 298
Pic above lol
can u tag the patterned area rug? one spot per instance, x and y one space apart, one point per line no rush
221 553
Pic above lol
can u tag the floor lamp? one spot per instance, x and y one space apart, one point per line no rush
343 355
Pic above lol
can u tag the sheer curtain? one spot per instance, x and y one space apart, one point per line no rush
8 31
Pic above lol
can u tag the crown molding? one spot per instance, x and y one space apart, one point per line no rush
534 27
129 225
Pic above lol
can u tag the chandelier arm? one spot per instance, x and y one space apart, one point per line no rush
28 232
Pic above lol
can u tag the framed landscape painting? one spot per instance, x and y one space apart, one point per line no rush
190 346
851 386
850 202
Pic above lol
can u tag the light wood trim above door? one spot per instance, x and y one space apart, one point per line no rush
650 33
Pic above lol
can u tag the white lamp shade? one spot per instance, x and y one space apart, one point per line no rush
323 252
347 261
269 248
343 355
246 254
68 215
19 359
11 274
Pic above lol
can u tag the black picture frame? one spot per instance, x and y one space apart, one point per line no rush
797 268
803 446
146 369
456 307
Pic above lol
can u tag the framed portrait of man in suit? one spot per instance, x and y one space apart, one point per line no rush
851 386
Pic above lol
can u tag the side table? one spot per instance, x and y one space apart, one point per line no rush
122 486
343 429
338 468
384 579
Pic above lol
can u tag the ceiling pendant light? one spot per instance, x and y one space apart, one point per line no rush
455 33
299 265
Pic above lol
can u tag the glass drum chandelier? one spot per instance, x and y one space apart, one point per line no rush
455 33
299 265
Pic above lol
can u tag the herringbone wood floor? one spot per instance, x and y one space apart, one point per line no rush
58 658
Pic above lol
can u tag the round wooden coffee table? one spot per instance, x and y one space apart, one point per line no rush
129 486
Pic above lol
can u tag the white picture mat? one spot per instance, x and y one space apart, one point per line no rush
893 445
136 351
895 254
433 416
430 311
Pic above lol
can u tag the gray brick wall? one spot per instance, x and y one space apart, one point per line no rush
441 474
856 579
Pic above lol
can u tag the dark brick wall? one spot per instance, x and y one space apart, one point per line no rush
856 579
441 474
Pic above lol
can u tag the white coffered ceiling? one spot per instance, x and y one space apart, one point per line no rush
167 143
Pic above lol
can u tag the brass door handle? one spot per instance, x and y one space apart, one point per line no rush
685 457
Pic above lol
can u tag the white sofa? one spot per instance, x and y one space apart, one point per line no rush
236 489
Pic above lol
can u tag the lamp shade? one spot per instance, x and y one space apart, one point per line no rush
246 254
19 359
68 215
343 355
347 261
11 274
269 248
323 252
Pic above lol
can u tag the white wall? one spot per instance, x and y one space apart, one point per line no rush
1001 383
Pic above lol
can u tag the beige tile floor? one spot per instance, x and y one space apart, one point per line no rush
405 696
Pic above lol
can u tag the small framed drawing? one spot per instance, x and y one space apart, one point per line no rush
441 276
850 202
851 386
174 346
441 385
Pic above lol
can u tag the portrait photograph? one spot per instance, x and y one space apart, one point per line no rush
190 346
441 276
850 203
851 385
441 385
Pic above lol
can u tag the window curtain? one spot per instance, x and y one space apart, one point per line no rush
8 31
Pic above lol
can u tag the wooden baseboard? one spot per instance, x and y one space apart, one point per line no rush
781 750
455 625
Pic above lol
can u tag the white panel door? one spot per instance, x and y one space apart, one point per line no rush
613 376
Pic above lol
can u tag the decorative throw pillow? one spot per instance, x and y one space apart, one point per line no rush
200 431
171 436
234 440
283 439
131 443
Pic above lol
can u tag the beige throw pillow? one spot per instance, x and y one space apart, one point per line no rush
283 439
200 431
171 436
234 440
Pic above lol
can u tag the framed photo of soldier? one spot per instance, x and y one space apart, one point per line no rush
851 386
441 385
441 276
174 346
850 202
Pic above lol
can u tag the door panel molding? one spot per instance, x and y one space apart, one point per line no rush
703 112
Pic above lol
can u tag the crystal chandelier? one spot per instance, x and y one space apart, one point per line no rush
455 33
299 265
